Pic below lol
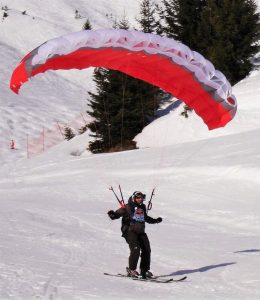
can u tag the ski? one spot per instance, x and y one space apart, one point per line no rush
153 279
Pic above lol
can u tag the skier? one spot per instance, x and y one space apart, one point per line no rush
134 216
12 145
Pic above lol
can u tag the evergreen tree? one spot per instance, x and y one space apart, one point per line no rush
87 25
83 129
147 21
5 15
68 133
101 112
122 24
121 107
186 111
108 108
225 32
180 19
77 14
232 30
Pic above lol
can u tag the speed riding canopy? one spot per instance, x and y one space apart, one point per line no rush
160 61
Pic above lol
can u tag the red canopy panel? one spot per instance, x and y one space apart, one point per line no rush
158 69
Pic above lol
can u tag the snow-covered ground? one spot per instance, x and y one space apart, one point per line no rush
56 239
181 130
55 96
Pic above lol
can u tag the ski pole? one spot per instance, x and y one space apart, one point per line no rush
150 204
121 202
122 197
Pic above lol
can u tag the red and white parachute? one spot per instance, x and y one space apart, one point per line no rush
160 61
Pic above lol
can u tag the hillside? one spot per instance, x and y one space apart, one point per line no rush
56 237
57 96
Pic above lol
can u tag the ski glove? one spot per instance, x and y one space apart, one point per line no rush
111 214
159 220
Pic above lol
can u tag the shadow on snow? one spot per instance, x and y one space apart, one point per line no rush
199 270
248 251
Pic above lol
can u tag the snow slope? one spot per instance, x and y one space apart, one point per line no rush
181 130
56 239
55 96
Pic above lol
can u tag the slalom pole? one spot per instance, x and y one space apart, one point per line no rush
150 204
121 202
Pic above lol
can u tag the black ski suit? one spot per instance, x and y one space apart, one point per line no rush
134 217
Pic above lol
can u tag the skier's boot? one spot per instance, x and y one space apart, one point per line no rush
132 273
146 274
149 274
